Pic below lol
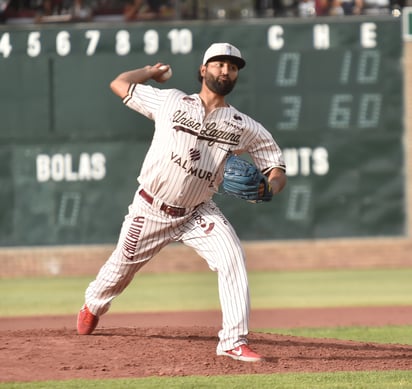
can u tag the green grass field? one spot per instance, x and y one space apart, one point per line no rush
331 288
344 380
198 291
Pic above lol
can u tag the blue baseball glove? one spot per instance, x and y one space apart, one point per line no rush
245 181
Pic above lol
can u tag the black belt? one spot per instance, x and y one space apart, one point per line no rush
172 211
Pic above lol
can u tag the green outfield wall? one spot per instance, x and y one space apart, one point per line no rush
330 91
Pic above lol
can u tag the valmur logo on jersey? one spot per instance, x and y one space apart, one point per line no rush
66 167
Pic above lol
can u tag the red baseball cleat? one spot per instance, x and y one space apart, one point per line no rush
241 353
86 321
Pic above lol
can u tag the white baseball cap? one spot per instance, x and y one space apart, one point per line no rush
224 50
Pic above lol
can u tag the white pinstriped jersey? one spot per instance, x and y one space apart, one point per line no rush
184 165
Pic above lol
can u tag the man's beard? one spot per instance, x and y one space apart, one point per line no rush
222 87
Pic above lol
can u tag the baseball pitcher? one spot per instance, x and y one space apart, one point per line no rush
194 152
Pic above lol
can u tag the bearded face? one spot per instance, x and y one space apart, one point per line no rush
221 84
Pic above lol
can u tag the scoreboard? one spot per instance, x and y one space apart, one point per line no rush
329 90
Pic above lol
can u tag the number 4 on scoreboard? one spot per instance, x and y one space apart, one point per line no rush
5 45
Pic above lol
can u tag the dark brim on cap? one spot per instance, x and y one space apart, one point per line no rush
239 62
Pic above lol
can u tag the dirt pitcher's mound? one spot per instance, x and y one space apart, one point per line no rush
184 343
29 355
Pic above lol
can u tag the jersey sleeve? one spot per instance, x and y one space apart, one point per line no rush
265 151
145 99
